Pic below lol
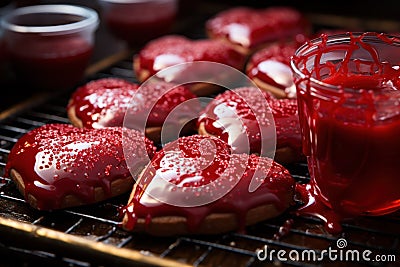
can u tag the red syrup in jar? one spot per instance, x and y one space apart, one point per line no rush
140 22
52 62
352 132
137 32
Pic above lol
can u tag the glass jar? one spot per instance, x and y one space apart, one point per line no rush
138 21
50 46
349 107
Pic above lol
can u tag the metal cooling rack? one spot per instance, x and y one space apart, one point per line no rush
91 235
99 224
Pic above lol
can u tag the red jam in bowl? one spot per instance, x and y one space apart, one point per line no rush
348 94
51 63
50 46
138 21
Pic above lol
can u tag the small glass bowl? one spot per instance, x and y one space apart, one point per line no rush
138 21
50 46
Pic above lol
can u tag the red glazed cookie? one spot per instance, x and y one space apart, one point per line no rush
171 50
270 70
104 102
250 29
202 168
58 165
224 116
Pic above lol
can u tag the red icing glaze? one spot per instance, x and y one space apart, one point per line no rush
315 206
104 102
252 27
171 50
352 134
193 161
140 21
389 80
284 111
56 160
271 65
52 63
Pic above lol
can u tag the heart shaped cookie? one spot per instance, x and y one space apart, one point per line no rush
105 103
58 165
270 70
242 115
195 185
171 50
248 30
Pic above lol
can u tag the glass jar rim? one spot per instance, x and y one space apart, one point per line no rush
334 38
89 19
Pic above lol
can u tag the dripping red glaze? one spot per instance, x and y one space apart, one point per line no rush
314 205
217 113
194 161
251 27
171 50
56 160
104 102
350 134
